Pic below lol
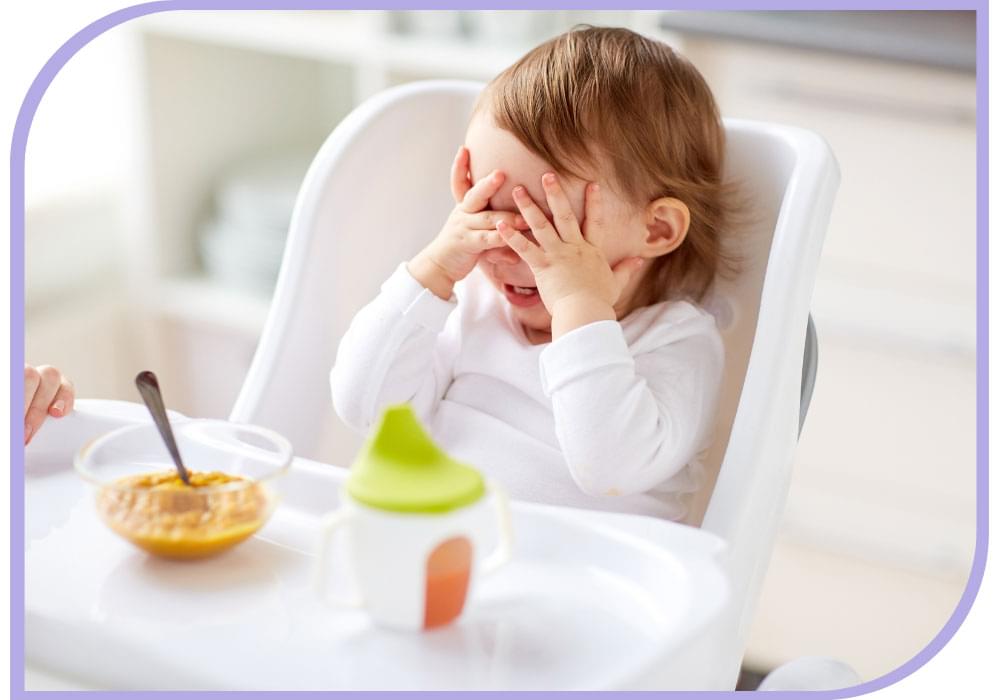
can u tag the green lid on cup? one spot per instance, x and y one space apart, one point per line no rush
400 469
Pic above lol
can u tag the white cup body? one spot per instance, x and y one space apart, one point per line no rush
388 553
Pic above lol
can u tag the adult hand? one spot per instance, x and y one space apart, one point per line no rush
46 393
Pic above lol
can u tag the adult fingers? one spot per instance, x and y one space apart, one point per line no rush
31 381
545 232
478 196
528 251
51 380
460 174
562 213
62 402
593 216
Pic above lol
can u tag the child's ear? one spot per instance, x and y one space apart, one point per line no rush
667 223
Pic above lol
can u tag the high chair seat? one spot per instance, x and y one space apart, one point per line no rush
378 190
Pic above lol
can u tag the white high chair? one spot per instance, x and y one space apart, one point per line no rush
378 190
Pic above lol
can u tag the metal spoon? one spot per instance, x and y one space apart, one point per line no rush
149 389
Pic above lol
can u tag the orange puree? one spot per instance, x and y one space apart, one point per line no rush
163 515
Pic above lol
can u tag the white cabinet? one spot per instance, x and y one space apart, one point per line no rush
901 248
88 339
879 529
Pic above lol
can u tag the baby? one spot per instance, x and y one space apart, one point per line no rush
549 335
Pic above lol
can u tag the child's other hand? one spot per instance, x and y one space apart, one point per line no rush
574 279
46 393
469 230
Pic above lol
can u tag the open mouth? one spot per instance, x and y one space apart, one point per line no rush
521 296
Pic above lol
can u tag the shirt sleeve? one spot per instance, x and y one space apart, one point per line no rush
627 422
394 351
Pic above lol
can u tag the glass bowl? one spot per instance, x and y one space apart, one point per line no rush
141 497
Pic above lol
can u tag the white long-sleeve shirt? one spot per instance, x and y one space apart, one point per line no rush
610 416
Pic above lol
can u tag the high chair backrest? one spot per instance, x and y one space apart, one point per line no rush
789 178
377 191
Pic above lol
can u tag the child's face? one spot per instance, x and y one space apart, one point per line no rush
492 148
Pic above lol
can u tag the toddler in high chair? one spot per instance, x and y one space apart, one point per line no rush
550 334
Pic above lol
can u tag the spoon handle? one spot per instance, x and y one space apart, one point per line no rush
149 389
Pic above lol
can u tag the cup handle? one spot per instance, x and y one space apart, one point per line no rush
330 524
501 555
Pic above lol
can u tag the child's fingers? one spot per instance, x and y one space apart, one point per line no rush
593 216
562 213
545 232
460 174
489 218
528 251
62 402
477 240
487 239
478 196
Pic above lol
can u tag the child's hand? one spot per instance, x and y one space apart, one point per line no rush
469 230
574 279
46 393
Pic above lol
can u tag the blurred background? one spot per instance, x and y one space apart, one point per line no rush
164 160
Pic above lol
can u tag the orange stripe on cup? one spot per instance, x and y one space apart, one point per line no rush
448 570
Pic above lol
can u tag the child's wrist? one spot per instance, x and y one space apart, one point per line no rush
431 276
575 312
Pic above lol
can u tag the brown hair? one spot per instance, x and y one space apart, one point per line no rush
609 96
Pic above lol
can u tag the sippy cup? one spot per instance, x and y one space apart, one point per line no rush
415 521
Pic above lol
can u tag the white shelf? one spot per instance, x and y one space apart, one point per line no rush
346 37
288 33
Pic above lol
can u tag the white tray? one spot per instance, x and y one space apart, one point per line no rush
590 601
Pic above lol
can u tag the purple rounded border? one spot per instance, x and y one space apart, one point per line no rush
98 27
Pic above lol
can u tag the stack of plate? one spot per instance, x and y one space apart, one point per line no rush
242 244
